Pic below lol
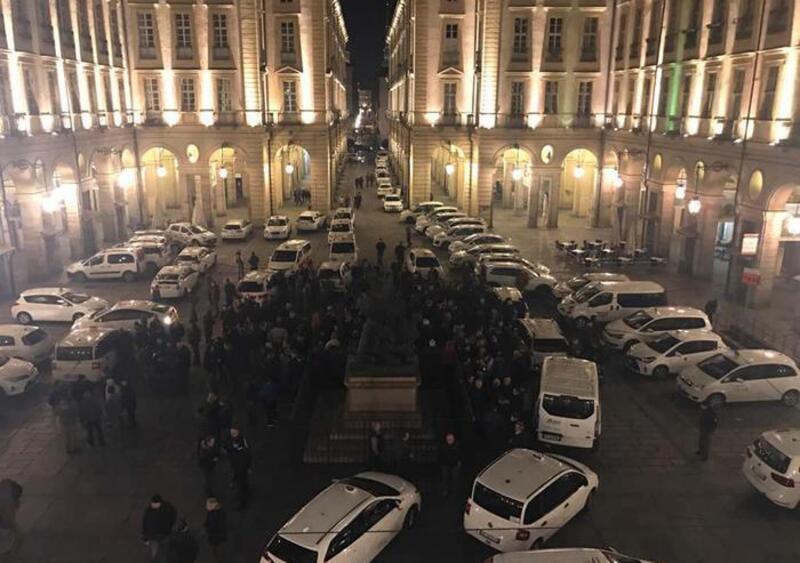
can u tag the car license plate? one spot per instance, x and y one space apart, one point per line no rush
489 536
551 436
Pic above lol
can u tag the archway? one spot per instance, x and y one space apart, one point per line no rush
512 179
448 170
291 167
160 177
787 199
577 189
229 186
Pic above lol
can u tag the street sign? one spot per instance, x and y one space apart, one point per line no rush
751 276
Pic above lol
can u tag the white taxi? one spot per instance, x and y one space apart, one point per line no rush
125 315
175 281
200 258
54 304
29 343
772 466
673 351
238 229
310 221
423 261
340 229
277 227
392 203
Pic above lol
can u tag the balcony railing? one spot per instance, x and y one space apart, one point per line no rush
589 55
450 118
147 53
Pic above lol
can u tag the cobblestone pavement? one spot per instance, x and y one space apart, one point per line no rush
655 500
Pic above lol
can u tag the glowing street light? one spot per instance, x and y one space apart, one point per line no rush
680 192
516 174
161 171
578 171
223 172
449 168
289 168
793 225
694 205
49 204
126 178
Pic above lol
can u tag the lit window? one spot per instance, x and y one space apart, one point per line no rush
646 87
554 30
224 103
765 111
450 89
520 44
30 91
584 97
219 23
188 96
287 37
147 35
551 97
183 31
710 92
289 96
152 94
517 98
589 50
451 31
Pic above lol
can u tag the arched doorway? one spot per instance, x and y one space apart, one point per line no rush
577 188
512 179
291 168
162 194
788 261
448 169
229 186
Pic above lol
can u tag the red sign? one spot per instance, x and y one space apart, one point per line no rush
751 276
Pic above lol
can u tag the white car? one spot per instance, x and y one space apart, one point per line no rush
256 284
340 229
623 333
514 274
673 352
200 258
343 251
423 261
524 497
344 213
16 376
742 375
189 234
174 281
772 466
392 203
570 286
475 240
310 221
156 251
238 229
386 189
29 343
278 227
171 236
455 233
565 555
290 255
125 315
491 258
470 256
424 220
410 215
351 521
54 304
112 263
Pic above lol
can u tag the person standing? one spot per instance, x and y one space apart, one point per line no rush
208 326
450 463
128 398
207 458
91 415
408 236
708 424
710 309
157 522
240 459
113 408
193 335
399 252
213 296
357 200
10 497
376 446
253 261
67 414
230 294
239 264
181 545
216 526
380 249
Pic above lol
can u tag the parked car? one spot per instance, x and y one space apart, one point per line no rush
544 338
290 255
343 251
156 252
386 188
16 376
189 234
340 229
455 233
672 352
335 275
423 261
256 284
91 352
54 304
171 236
502 297
514 274
742 375
603 302
29 343
392 203
125 315
200 258
566 555
238 229
113 263
353 519
429 217
174 281
568 407
277 227
476 239
772 466
570 286
345 213
470 257
310 221
524 497
410 215
492 258
651 322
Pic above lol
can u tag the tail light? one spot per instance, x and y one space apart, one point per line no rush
468 507
523 535
784 481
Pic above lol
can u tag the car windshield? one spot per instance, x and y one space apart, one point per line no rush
188 258
167 277
233 227
34 337
771 455
284 256
587 293
391 198
285 550
74 353
638 319
342 215
494 502
340 228
566 406
197 230
612 557
663 343
343 248
717 366
427 262
550 345
75 297
305 219
277 222
250 287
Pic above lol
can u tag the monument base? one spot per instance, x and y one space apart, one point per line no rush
381 388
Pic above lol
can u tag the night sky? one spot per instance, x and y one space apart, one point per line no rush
366 25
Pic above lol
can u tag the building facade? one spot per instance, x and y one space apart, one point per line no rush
116 113
673 123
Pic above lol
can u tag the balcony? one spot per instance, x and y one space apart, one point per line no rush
228 118
451 58
582 121
450 119
147 53
184 53
221 53
153 118
512 120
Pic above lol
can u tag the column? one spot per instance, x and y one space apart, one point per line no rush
703 264
666 221
32 244
105 204
768 259
534 203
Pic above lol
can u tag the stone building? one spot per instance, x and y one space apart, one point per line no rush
672 123
115 113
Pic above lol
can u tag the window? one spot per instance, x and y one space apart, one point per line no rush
641 300
637 27
551 97
74 92
287 37
708 95
152 94
623 28
147 35
718 19
188 96
224 102
662 99
646 87
778 16
45 27
584 97
100 28
183 32
744 23
21 18
450 89
589 50
31 90
219 24
6 341
6 107
64 22
289 96
520 44
738 92
451 31
517 98
92 88
53 91
600 300
554 29
686 88
107 91
123 104
695 21
765 110
630 94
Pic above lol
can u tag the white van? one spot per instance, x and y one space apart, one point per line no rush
343 251
607 301
772 466
568 408
290 256
113 263
86 351
544 338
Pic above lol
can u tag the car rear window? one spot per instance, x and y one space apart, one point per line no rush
34 337
427 262
284 255
168 278
232 227
373 487
550 345
74 353
771 455
343 248
283 549
305 219
566 406
250 287
496 503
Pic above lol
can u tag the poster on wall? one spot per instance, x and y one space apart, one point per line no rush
751 276
749 244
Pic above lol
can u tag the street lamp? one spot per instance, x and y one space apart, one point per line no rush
289 169
516 174
449 168
161 171
695 204
223 172
680 191
126 178
578 171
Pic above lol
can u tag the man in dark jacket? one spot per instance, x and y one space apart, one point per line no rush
708 424
380 249
216 527
193 336
253 261
450 462
207 457
128 396
240 459
91 415
181 545
157 522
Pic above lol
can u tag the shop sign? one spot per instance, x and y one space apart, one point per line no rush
751 276
749 244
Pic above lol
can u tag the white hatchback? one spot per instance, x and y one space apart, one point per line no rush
475 240
16 376
238 229
189 234
199 258
392 203
54 304
423 261
524 497
340 229
172 282
673 351
310 221
278 227
648 323
772 466
351 521
125 315
29 343
515 274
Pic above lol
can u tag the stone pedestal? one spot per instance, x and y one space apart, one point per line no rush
381 388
